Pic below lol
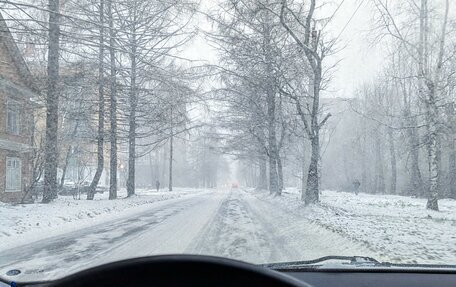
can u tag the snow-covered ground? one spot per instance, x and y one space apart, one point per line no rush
228 223
239 224
399 229
25 223
258 231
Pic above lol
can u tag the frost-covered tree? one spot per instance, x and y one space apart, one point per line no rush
422 33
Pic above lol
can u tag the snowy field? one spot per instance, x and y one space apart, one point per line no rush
25 223
399 229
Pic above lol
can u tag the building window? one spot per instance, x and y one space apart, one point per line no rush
13 174
13 115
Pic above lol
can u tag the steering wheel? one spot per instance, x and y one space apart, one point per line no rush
179 270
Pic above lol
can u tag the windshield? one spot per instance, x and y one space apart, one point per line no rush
263 131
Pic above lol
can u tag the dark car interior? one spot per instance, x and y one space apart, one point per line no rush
193 270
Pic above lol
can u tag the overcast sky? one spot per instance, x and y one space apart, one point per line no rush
359 60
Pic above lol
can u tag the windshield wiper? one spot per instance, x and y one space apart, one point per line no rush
327 261
356 262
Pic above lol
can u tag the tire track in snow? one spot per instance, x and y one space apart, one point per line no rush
303 238
236 232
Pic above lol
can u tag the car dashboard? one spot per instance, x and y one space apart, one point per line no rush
192 270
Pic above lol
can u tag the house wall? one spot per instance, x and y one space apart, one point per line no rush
7 67
25 118
25 166
9 72
10 77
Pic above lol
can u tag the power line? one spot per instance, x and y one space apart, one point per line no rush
335 11
349 20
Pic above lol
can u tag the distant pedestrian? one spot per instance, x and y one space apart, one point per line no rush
157 185
356 185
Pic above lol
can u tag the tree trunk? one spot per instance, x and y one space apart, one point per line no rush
313 177
52 104
152 175
452 166
433 150
364 175
364 158
262 183
112 108
280 174
416 186
163 175
253 176
303 179
132 120
68 153
272 143
271 111
312 188
452 152
101 109
380 174
65 166
273 178
171 153
36 169
156 167
392 150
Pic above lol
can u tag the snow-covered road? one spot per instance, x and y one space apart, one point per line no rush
166 227
230 223
258 231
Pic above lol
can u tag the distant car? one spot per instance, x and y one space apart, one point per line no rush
235 185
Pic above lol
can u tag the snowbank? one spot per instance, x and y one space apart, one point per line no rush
25 223
397 228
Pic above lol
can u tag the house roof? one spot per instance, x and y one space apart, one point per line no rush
7 38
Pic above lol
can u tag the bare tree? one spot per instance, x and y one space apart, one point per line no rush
101 105
314 51
250 72
52 104
429 77
112 104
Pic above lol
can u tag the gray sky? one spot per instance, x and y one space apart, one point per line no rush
359 61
